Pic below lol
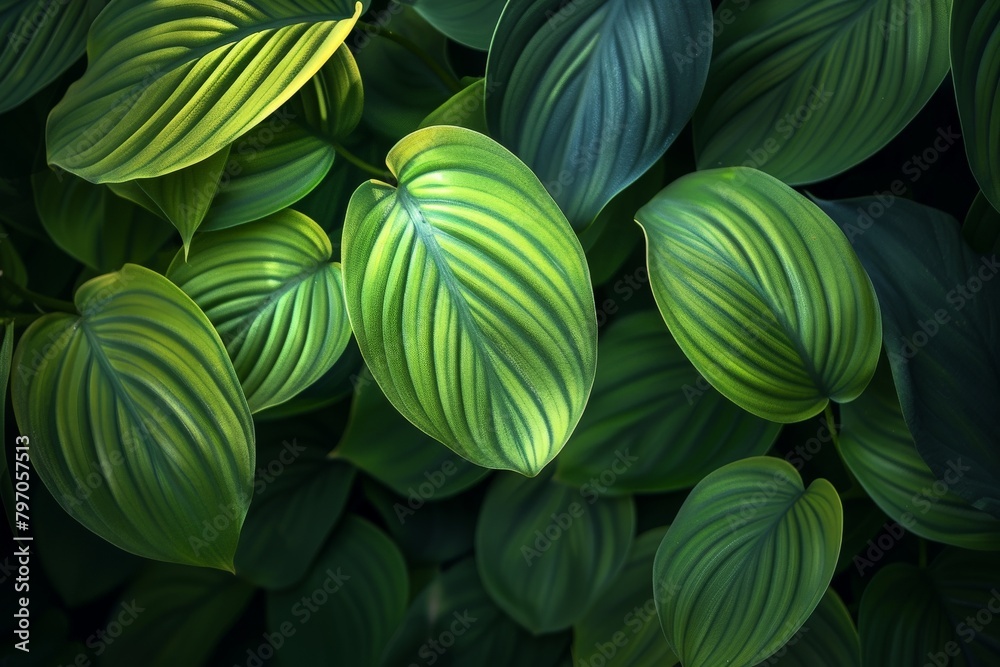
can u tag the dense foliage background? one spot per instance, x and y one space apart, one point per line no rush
298 332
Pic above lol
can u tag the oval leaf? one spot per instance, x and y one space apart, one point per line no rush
392 450
745 562
168 84
41 39
652 421
935 616
546 551
762 292
348 606
982 226
941 308
270 290
471 301
621 626
156 425
572 80
878 448
975 66
809 88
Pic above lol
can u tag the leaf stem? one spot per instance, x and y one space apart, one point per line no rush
360 163
446 77
831 424
40 300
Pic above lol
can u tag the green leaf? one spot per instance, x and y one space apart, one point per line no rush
395 452
546 550
975 67
468 22
863 520
573 81
745 562
167 84
470 299
272 293
284 158
804 90
299 496
183 196
348 606
454 611
41 39
652 423
621 626
96 567
941 312
175 615
90 223
982 226
335 385
878 448
466 108
138 400
762 292
935 616
827 639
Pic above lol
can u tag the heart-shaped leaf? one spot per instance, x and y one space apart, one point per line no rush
298 498
455 621
653 424
348 606
468 22
762 292
156 429
90 223
809 88
538 541
570 81
395 452
621 626
272 293
878 448
941 311
41 39
470 298
174 616
169 84
827 639
745 562
938 615
975 66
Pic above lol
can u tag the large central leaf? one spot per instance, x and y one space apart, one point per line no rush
137 422
168 83
471 301
587 93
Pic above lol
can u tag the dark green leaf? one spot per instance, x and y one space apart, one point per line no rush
571 82
827 639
